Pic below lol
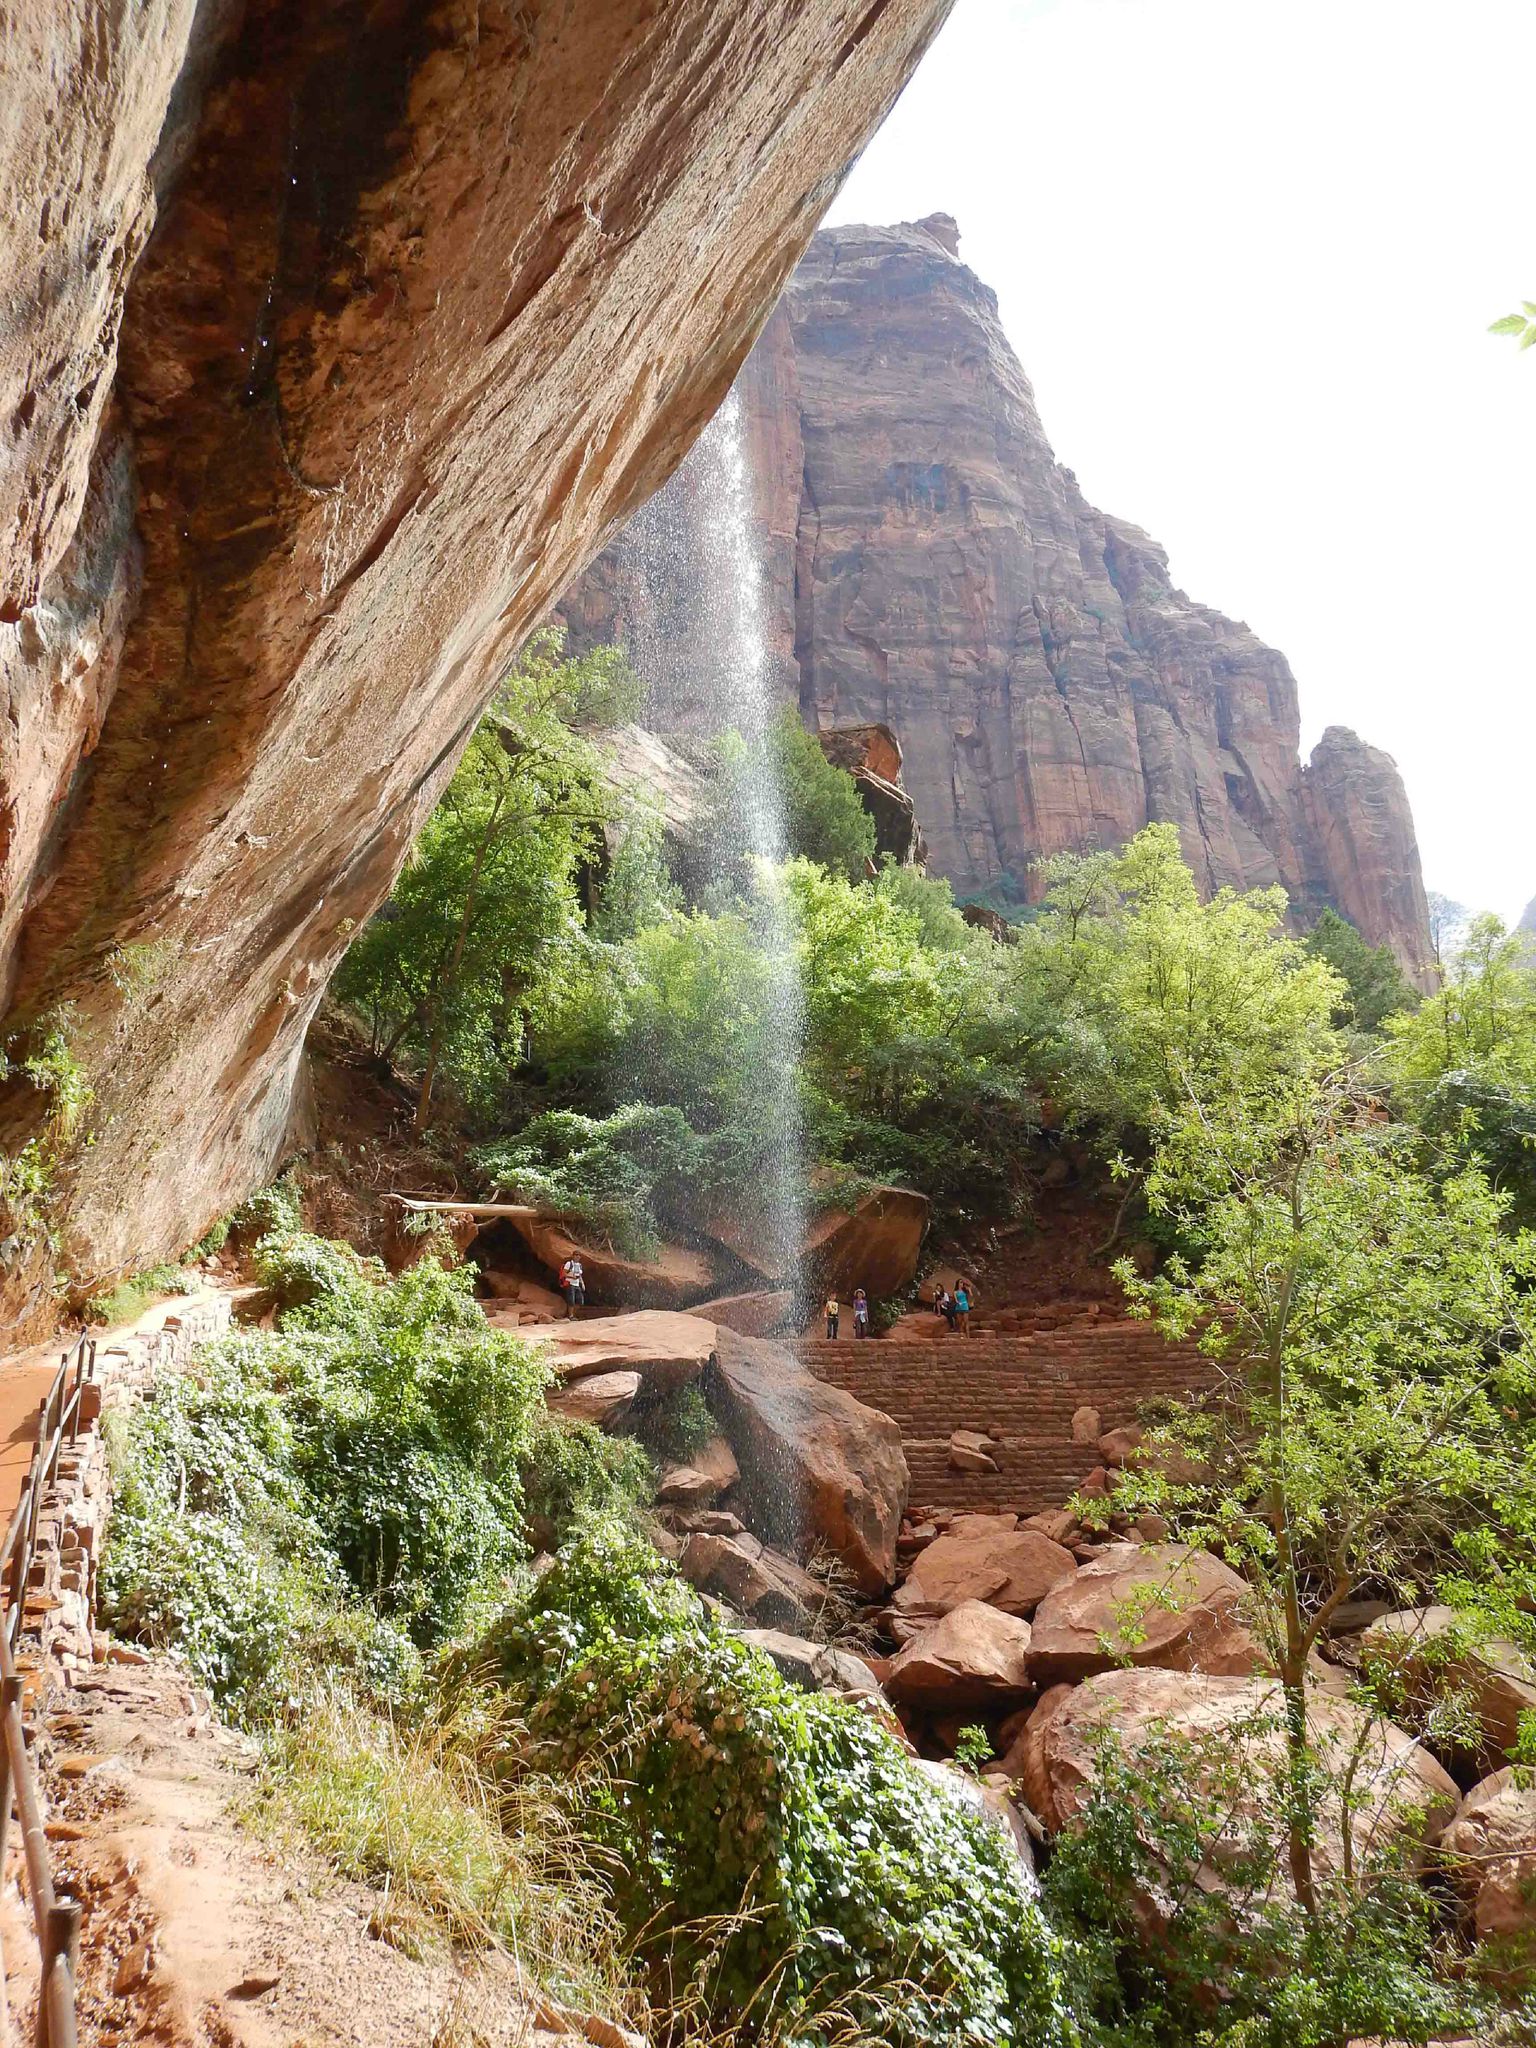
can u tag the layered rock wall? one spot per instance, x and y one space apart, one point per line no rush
1050 688
339 335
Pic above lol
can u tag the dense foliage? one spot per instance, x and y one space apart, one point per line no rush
449 972
774 1847
354 1477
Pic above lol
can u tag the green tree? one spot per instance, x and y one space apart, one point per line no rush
1155 998
1464 1065
1375 986
486 908
824 817
1377 1419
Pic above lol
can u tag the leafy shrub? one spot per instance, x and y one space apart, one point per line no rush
1138 1856
301 1269
621 1174
333 1490
571 1470
781 1843
677 1425
274 1208
128 1300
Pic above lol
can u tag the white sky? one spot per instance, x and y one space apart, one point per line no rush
1247 251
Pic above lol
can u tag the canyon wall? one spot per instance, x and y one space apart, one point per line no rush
934 568
339 334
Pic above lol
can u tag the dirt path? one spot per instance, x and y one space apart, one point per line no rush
195 1933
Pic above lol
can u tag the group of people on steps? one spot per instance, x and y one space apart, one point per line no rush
954 1307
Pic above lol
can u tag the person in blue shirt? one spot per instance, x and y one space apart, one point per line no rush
963 1308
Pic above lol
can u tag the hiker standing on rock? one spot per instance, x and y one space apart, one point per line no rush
963 1309
944 1302
860 1313
573 1285
831 1308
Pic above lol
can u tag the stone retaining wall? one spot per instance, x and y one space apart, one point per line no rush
1026 1388
57 1628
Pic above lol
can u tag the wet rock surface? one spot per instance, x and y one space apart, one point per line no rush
817 1466
335 330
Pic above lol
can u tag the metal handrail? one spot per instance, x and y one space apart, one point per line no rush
56 1920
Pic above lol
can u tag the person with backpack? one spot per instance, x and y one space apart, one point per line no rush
831 1308
944 1302
963 1309
860 1313
573 1285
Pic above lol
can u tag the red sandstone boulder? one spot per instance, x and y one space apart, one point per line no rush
1159 1603
1431 1648
1024 1759
819 1469
537 1304
984 1557
1119 1446
1398 1788
762 1314
677 1277
710 1472
603 1398
873 1245
1085 1426
970 1451
1490 1849
759 1582
974 1657
666 1349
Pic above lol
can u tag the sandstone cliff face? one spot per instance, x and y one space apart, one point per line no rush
1049 686
339 336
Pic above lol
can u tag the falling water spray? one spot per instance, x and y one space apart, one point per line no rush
699 638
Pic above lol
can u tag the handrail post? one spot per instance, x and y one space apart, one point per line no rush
10 1696
61 1947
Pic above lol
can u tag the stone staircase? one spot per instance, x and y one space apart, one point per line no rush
1024 1383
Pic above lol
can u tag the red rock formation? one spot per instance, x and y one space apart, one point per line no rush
338 336
1049 686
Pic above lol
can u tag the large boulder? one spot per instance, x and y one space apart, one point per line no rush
1433 1650
974 1657
873 1243
1490 1849
603 1398
1398 1788
667 1350
1156 1603
762 1314
819 1469
709 1472
677 1277
815 1667
1024 1760
758 1582
985 1557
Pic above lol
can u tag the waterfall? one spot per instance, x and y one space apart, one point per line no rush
743 704
697 636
